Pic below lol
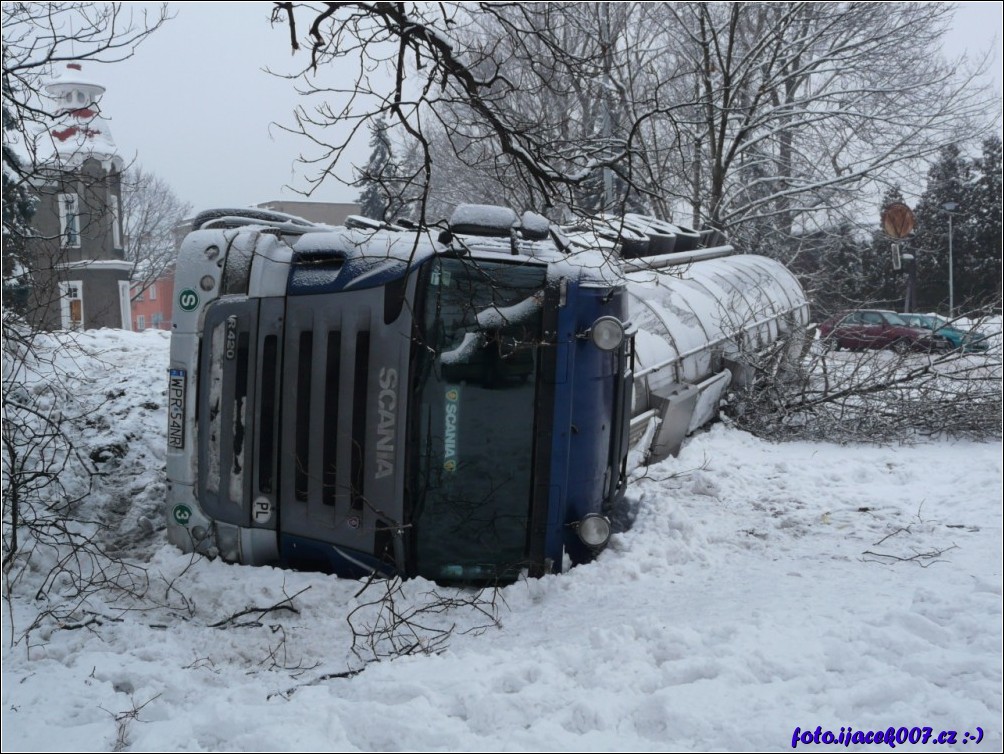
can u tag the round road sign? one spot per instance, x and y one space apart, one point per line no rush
897 220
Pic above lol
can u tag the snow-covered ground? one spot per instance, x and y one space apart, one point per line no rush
763 587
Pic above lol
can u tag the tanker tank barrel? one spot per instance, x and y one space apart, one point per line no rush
697 314
697 322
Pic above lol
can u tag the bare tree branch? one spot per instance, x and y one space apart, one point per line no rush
152 216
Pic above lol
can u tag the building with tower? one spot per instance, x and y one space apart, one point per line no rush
78 276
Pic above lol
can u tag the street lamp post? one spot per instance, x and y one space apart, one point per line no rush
950 208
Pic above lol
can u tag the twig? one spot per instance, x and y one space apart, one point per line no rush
917 558
284 604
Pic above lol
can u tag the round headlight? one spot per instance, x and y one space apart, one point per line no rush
207 283
594 530
607 333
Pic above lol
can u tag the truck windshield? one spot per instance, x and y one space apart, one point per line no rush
473 418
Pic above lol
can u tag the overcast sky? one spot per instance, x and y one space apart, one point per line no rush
195 106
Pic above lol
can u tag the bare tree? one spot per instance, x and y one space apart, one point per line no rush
438 67
801 107
583 92
742 115
152 216
41 500
879 396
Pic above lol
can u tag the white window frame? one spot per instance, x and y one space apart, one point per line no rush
116 220
152 290
65 308
125 304
140 322
69 212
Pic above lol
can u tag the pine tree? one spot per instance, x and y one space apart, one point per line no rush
981 277
949 181
18 208
838 282
379 174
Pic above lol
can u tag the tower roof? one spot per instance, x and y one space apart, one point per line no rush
73 81
80 131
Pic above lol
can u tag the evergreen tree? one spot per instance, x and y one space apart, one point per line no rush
18 208
409 189
981 277
949 181
831 264
379 174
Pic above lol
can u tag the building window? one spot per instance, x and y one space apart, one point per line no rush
116 220
69 221
140 323
125 305
157 319
152 290
71 304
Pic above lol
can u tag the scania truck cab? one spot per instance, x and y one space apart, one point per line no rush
456 404
453 405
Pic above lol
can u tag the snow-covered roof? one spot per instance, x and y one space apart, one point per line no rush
80 131
72 77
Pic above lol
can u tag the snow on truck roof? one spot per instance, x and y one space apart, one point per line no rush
588 251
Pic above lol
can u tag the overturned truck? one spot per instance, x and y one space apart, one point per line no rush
457 404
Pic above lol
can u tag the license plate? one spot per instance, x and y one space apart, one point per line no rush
176 386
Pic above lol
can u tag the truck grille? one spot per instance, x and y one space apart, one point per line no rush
328 487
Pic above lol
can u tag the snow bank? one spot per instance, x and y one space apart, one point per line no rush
762 587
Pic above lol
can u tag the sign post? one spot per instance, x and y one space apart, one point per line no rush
898 222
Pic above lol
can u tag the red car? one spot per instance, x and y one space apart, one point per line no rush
875 328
